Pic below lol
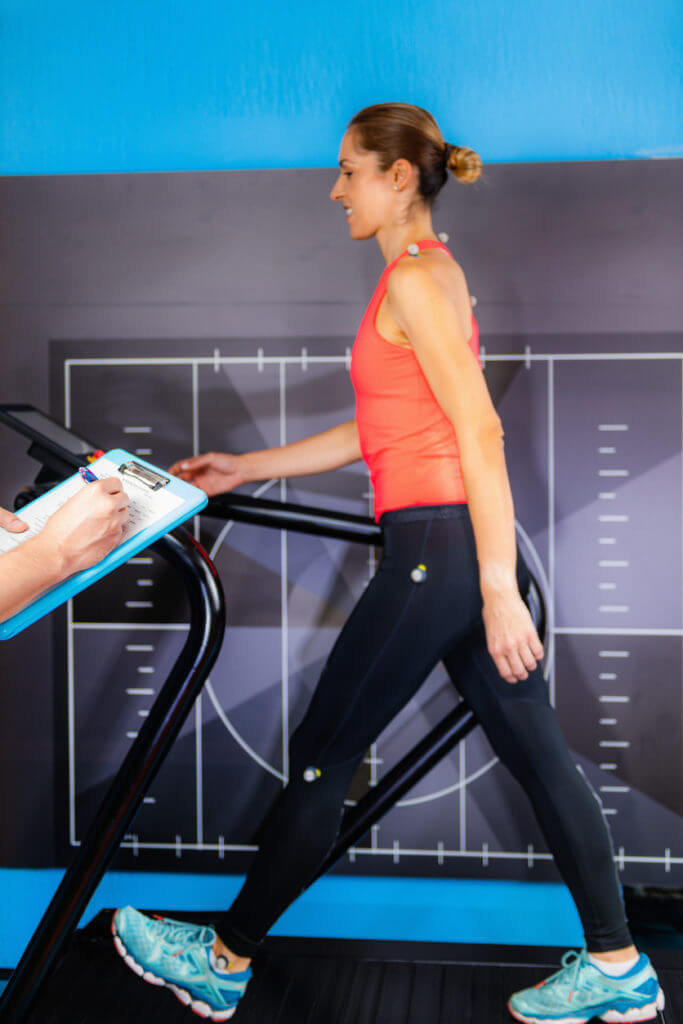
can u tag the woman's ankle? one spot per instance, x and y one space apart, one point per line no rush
614 956
236 962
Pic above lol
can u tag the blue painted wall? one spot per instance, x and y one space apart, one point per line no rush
423 909
166 85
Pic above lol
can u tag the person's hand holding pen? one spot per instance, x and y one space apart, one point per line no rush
86 528
79 534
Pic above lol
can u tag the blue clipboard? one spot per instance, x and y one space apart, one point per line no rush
191 501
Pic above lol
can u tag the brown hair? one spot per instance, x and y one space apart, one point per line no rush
395 130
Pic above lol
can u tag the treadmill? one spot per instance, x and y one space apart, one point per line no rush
68 975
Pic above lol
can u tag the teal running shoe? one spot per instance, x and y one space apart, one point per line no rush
176 954
580 991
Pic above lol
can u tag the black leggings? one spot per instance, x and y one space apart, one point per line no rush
398 631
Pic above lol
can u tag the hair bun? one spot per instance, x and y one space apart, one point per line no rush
465 163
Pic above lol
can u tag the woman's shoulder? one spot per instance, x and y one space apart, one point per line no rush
418 277
431 265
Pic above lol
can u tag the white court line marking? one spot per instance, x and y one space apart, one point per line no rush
149 800
606 563
139 604
606 451
614 608
71 719
624 744
610 699
617 631
607 540
613 519
139 647
284 589
613 426
143 451
131 735
607 586
139 691
462 773
198 719
615 789
145 583
613 472
606 495
485 854
146 669
550 427
608 766
147 626
607 721
261 360
137 430
140 560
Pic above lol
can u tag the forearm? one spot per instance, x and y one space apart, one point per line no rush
331 449
25 573
492 513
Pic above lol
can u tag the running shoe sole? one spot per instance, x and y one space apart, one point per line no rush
638 1015
197 1006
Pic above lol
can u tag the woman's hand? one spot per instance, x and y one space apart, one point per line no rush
511 636
213 472
8 521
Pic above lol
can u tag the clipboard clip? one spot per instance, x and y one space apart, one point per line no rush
155 481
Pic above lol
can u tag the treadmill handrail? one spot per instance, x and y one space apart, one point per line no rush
283 515
141 764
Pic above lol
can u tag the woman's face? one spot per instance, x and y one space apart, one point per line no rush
365 192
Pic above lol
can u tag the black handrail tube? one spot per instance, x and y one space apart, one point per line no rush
402 777
140 766
283 515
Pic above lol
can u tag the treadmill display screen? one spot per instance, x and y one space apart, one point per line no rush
55 432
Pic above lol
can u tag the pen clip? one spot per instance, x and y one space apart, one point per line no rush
148 477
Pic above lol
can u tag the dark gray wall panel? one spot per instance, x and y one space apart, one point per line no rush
574 268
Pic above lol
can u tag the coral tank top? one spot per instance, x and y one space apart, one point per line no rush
406 439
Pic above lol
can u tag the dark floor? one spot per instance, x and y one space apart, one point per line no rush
307 981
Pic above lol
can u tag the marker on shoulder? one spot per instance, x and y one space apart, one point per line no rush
87 475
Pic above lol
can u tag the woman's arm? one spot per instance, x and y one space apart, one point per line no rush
217 472
426 313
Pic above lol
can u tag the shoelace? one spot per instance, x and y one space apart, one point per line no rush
567 977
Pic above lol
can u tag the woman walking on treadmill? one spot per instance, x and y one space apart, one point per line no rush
447 588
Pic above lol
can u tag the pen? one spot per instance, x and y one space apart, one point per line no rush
87 475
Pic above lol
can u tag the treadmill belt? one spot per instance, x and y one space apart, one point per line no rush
326 984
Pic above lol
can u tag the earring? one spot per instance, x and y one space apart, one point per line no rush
396 188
